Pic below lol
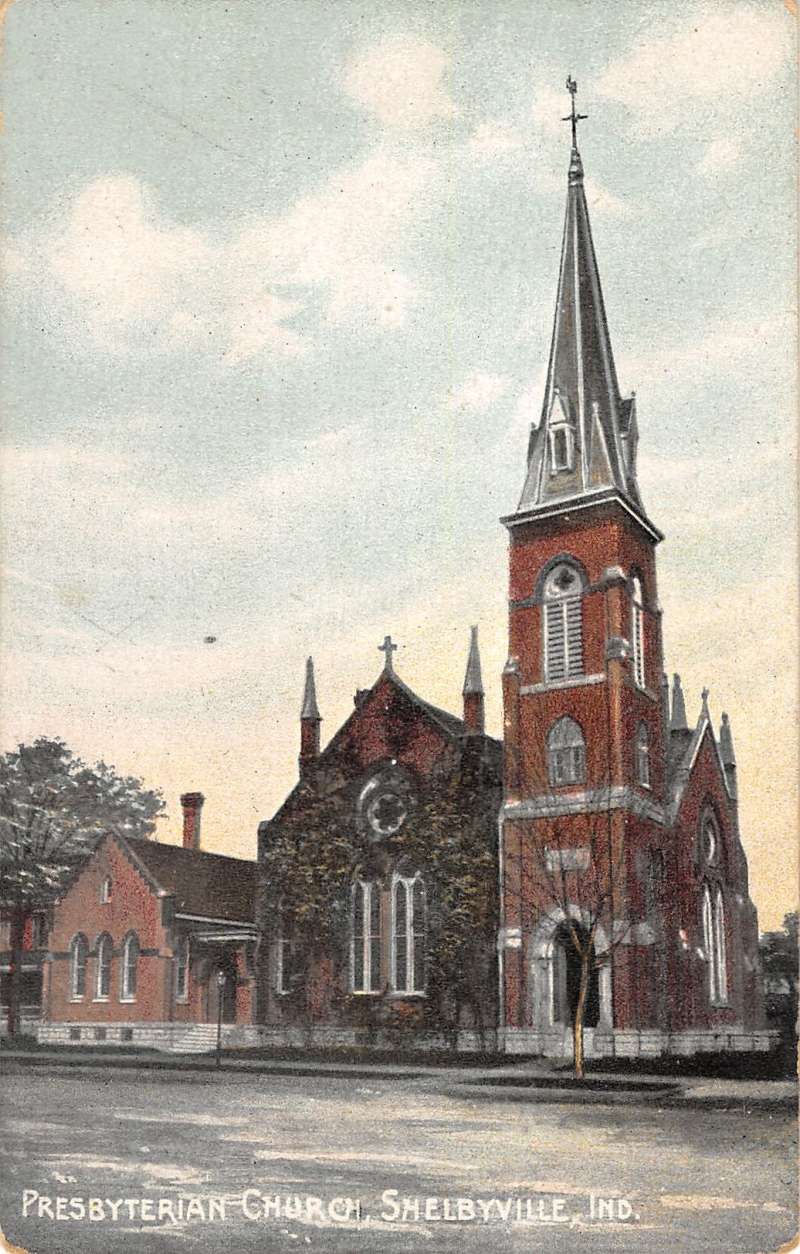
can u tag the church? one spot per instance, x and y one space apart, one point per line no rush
425 885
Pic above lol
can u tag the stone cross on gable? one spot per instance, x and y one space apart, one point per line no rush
387 648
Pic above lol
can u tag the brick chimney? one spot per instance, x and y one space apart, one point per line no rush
192 805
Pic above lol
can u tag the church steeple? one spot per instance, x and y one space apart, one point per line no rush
587 436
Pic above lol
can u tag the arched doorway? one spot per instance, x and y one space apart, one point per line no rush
567 978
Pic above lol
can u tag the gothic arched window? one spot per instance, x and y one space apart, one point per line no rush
642 756
566 753
563 626
102 974
720 950
637 632
709 944
130 963
78 952
408 934
365 942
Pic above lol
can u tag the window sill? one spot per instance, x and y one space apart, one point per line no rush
397 994
365 992
103 999
127 1001
77 1000
182 1000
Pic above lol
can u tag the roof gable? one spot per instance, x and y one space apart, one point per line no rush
204 885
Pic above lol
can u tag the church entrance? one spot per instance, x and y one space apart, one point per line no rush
567 978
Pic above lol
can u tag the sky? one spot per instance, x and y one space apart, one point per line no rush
280 278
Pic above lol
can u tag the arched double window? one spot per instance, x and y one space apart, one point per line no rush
130 967
365 938
563 624
408 934
715 946
566 753
78 953
637 632
642 756
182 969
102 972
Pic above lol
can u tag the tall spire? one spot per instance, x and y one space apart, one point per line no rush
309 722
586 439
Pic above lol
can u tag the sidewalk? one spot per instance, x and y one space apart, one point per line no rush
530 1081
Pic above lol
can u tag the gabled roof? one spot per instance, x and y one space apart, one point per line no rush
205 885
683 750
449 725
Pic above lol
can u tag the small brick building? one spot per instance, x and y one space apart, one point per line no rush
151 943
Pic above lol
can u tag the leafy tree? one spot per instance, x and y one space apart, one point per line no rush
779 965
54 809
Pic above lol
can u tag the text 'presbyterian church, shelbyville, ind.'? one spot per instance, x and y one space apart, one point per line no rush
426 885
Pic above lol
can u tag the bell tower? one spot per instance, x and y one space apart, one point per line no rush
585 726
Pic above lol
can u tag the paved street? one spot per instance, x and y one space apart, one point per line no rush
279 1162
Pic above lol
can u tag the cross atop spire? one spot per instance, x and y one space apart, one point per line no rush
387 649
572 116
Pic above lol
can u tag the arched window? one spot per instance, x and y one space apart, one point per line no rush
105 890
637 633
102 974
288 960
182 969
720 951
78 952
566 753
709 838
642 756
408 934
563 627
130 962
708 944
365 943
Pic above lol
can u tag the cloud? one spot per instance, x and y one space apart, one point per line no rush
601 201
114 266
399 81
722 57
495 139
720 154
478 392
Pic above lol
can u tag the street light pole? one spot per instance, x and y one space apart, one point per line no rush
220 987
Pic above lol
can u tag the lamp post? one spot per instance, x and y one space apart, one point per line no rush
220 987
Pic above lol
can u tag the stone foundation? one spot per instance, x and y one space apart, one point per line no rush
645 1043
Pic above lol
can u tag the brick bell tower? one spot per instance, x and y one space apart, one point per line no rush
582 828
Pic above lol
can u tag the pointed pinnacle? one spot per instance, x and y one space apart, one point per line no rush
726 742
473 683
678 720
309 709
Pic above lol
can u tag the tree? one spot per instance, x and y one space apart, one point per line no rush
571 864
779 965
54 809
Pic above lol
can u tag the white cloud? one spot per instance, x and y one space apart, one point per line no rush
721 154
478 392
495 139
116 267
724 55
399 81
601 201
